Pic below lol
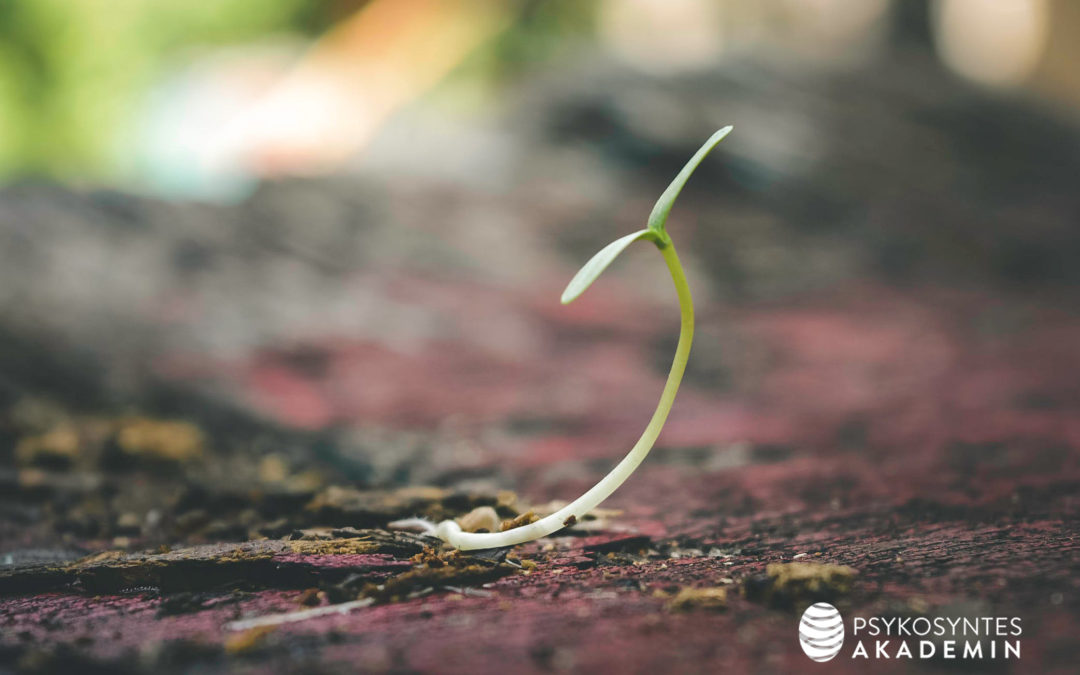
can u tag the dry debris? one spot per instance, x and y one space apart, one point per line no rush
480 519
714 598
519 520
796 583
338 505
247 640
439 569
159 439
56 447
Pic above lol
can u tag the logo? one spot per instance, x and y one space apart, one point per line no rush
965 637
821 631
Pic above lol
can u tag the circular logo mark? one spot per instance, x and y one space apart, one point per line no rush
821 631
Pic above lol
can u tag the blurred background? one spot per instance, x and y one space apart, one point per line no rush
187 100
270 267
293 243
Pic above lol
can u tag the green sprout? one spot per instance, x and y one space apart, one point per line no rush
451 532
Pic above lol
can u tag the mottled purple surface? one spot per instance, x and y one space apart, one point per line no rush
883 431
886 376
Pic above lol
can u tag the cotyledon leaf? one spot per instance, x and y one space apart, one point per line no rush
655 231
660 212
598 263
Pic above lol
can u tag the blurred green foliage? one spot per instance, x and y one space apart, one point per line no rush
541 29
72 71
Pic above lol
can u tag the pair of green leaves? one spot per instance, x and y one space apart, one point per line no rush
654 232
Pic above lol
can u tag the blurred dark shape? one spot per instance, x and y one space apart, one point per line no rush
897 170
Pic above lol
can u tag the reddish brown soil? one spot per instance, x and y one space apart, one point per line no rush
210 414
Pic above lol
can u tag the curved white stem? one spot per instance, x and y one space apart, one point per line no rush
450 532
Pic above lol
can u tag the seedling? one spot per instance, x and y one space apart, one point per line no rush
451 532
